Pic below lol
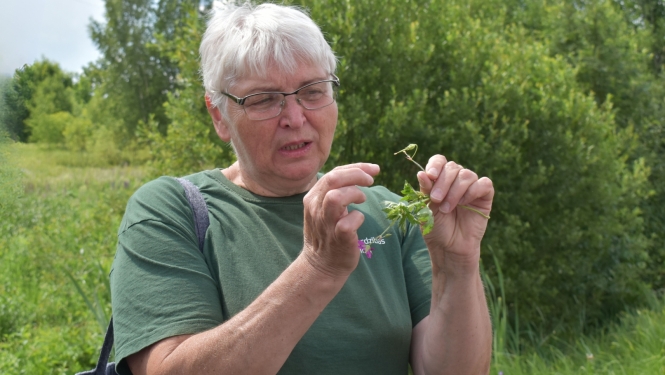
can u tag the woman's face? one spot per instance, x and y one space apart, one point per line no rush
282 155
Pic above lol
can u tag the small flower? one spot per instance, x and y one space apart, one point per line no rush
365 249
589 356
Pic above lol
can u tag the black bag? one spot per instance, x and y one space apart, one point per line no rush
201 223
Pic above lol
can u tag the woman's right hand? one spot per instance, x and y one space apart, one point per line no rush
330 230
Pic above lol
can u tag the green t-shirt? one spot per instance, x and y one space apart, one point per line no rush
163 286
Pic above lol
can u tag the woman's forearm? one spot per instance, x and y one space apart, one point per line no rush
259 339
458 334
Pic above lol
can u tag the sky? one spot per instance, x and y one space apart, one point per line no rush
55 29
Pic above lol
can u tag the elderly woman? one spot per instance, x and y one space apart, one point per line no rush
282 285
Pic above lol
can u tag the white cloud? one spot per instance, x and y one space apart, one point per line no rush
55 29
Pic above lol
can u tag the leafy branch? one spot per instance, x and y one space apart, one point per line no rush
413 207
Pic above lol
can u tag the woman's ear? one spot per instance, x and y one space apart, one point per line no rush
221 125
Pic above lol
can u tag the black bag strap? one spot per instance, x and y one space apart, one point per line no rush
103 366
201 224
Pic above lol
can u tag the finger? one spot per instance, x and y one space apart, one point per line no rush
348 176
425 182
335 202
465 178
347 227
435 165
369 168
443 183
479 195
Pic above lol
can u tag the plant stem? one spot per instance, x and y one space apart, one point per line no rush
416 163
388 227
414 147
475 210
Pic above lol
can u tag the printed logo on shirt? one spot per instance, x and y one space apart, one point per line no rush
365 248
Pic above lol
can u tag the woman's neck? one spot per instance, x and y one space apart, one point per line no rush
234 174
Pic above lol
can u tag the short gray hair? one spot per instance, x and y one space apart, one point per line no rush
244 40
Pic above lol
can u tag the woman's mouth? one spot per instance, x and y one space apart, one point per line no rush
294 146
296 149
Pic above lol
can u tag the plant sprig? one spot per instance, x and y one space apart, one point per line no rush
413 207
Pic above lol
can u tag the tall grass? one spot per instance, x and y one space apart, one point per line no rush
57 233
635 345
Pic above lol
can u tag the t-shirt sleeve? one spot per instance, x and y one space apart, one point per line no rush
161 285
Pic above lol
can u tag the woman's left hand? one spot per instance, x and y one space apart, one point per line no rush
457 232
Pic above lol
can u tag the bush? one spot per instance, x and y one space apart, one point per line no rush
459 79
77 132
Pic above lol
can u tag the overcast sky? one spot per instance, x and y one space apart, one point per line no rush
55 29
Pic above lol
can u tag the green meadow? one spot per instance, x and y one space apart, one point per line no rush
57 240
60 213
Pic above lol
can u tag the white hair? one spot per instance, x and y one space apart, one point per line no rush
243 40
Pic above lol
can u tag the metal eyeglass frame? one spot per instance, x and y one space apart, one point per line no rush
241 101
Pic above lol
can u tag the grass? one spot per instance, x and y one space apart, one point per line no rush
60 213
635 345
59 227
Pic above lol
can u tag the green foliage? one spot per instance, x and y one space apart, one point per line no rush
5 83
621 62
136 76
411 208
9 183
50 105
43 78
488 93
190 143
76 116
48 127
632 347
63 223
76 132
648 15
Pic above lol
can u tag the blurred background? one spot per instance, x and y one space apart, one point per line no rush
561 103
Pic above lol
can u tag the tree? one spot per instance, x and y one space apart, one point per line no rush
190 143
19 96
4 88
43 79
617 56
136 75
648 15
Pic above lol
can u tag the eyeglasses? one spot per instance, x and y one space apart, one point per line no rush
266 105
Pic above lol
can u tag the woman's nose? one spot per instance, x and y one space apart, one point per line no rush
293 113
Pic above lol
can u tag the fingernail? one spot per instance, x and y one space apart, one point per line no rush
445 208
436 195
433 172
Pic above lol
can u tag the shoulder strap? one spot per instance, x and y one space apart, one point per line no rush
201 224
103 366
199 209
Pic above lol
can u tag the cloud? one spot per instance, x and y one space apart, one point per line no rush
56 30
